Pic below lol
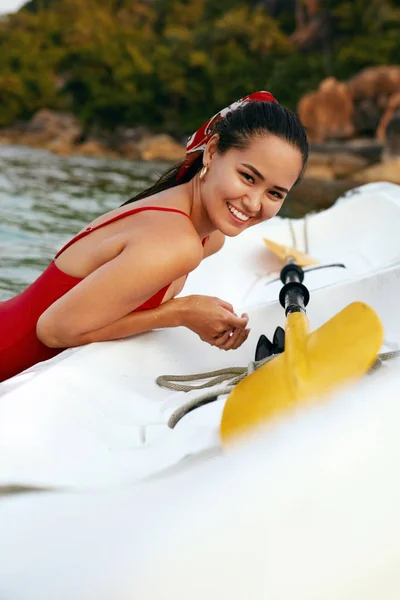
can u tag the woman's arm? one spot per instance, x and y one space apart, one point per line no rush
213 319
169 314
119 286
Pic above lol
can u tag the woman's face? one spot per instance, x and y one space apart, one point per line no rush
244 187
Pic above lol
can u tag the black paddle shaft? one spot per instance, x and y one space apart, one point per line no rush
294 296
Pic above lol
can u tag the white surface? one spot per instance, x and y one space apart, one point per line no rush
307 511
94 416
98 418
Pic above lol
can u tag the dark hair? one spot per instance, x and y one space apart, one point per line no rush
235 131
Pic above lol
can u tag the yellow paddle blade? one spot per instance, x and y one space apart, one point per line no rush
311 366
284 252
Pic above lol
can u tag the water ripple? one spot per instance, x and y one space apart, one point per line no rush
45 199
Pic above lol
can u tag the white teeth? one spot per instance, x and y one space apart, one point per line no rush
237 213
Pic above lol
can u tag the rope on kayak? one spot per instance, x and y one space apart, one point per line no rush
206 398
382 357
230 374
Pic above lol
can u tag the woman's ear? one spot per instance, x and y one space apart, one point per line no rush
210 149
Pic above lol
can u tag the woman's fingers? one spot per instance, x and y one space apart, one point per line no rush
243 335
232 340
225 305
222 339
241 338
234 321
230 343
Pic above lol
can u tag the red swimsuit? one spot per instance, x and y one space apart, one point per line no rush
19 345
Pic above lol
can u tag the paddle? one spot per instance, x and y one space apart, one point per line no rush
289 252
312 365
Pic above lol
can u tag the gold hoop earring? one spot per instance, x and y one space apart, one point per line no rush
203 172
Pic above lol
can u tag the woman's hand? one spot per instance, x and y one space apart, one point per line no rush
214 321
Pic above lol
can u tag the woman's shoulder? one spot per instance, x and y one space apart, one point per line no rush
161 203
166 231
171 236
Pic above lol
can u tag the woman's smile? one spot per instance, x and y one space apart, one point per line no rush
236 214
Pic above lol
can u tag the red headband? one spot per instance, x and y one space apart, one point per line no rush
198 141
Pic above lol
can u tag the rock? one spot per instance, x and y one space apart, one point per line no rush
371 90
387 171
334 165
124 135
319 166
368 148
4 137
63 134
12 134
61 147
392 145
47 129
375 82
314 195
367 115
339 110
130 151
118 137
344 165
161 147
392 107
126 141
47 125
98 134
320 171
95 149
328 112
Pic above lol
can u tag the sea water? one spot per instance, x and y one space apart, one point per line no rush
46 199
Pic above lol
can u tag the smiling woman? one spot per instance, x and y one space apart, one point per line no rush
252 182
120 275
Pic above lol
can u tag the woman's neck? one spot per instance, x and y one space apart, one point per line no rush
198 213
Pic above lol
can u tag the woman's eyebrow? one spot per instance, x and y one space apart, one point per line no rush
257 172
281 189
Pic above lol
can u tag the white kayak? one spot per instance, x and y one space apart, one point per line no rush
94 416
309 509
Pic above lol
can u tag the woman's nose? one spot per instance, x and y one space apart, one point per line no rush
252 203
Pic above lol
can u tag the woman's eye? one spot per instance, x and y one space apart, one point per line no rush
248 177
277 195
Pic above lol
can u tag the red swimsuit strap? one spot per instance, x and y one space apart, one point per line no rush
117 218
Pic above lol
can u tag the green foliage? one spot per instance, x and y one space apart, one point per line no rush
295 75
367 34
368 51
211 66
28 58
365 18
170 64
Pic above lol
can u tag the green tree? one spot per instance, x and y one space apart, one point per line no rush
170 64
